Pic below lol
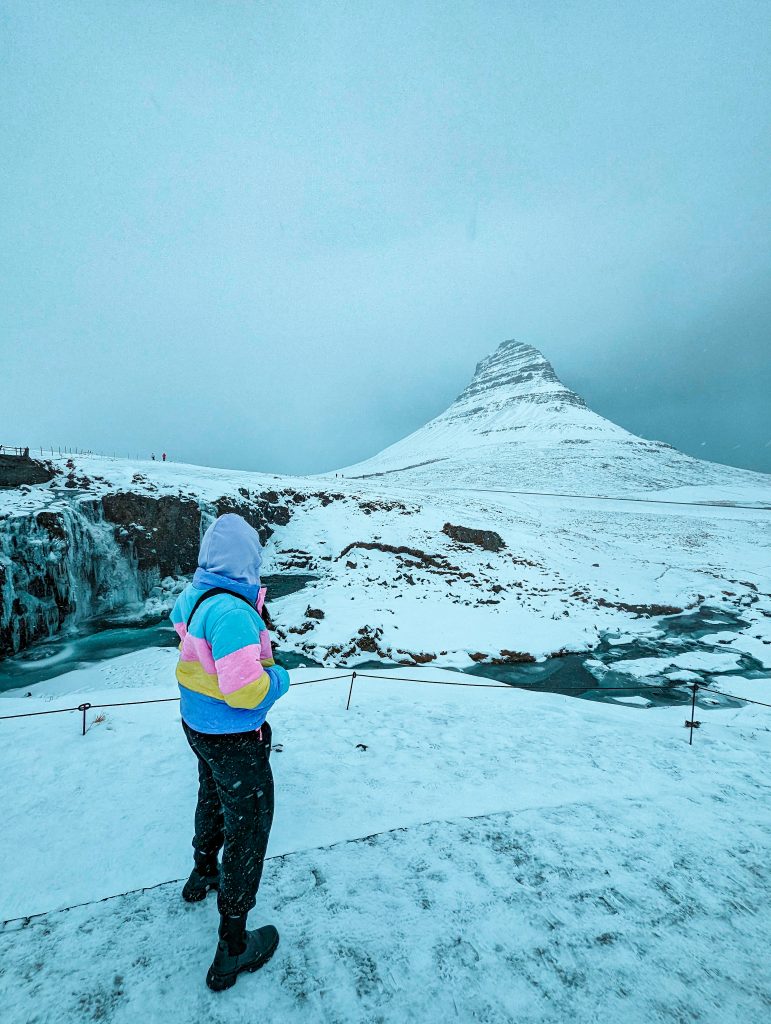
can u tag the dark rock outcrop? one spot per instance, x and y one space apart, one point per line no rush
487 539
18 470
432 561
163 533
262 511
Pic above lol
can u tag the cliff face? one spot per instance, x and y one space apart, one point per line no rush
86 556
20 470
58 566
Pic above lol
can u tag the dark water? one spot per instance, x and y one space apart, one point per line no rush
570 675
108 637
680 633
102 639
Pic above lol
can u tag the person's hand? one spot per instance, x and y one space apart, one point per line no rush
283 679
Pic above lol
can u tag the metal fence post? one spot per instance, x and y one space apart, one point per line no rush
693 724
350 691
84 708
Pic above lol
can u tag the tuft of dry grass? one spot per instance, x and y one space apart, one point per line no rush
101 717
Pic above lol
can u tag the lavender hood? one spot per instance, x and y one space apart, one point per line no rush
230 557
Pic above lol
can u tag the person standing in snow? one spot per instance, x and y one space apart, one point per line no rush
228 682
164 456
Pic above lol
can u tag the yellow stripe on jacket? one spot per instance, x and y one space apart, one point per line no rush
192 675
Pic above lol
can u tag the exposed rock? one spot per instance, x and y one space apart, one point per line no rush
52 523
16 470
418 659
507 657
306 626
639 609
368 641
434 561
314 613
263 512
487 539
164 533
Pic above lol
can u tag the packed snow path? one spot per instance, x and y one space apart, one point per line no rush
579 912
530 858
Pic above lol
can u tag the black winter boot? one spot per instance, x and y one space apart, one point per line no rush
239 950
204 877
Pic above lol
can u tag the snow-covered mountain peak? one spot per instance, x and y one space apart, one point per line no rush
516 425
516 388
514 397
517 370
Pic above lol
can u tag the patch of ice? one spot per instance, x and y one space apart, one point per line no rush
642 668
707 661
683 675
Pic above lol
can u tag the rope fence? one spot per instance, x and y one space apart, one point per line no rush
27 919
354 675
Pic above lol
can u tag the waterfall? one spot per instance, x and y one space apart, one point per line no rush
59 566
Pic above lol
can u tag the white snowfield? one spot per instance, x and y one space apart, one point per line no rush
570 569
438 853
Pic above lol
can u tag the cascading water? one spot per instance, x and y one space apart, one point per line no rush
82 556
58 567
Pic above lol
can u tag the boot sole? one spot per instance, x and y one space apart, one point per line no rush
220 982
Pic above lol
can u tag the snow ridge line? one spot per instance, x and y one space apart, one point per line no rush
605 497
27 919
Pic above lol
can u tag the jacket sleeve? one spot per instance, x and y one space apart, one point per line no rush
178 619
235 645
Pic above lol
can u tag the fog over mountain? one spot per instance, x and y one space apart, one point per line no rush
280 238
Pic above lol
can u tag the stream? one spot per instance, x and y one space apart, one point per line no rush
109 637
590 675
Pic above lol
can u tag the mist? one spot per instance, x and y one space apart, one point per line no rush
279 237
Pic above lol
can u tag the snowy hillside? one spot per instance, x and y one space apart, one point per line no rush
397 578
439 852
418 554
516 426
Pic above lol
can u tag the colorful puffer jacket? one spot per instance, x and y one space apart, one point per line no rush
227 677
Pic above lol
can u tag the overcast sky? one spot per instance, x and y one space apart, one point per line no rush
279 236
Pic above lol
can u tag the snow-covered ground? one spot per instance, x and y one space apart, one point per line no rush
438 853
569 568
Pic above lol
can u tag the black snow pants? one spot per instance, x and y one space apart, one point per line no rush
235 808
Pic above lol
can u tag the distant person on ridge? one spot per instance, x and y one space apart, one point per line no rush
228 682
164 456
